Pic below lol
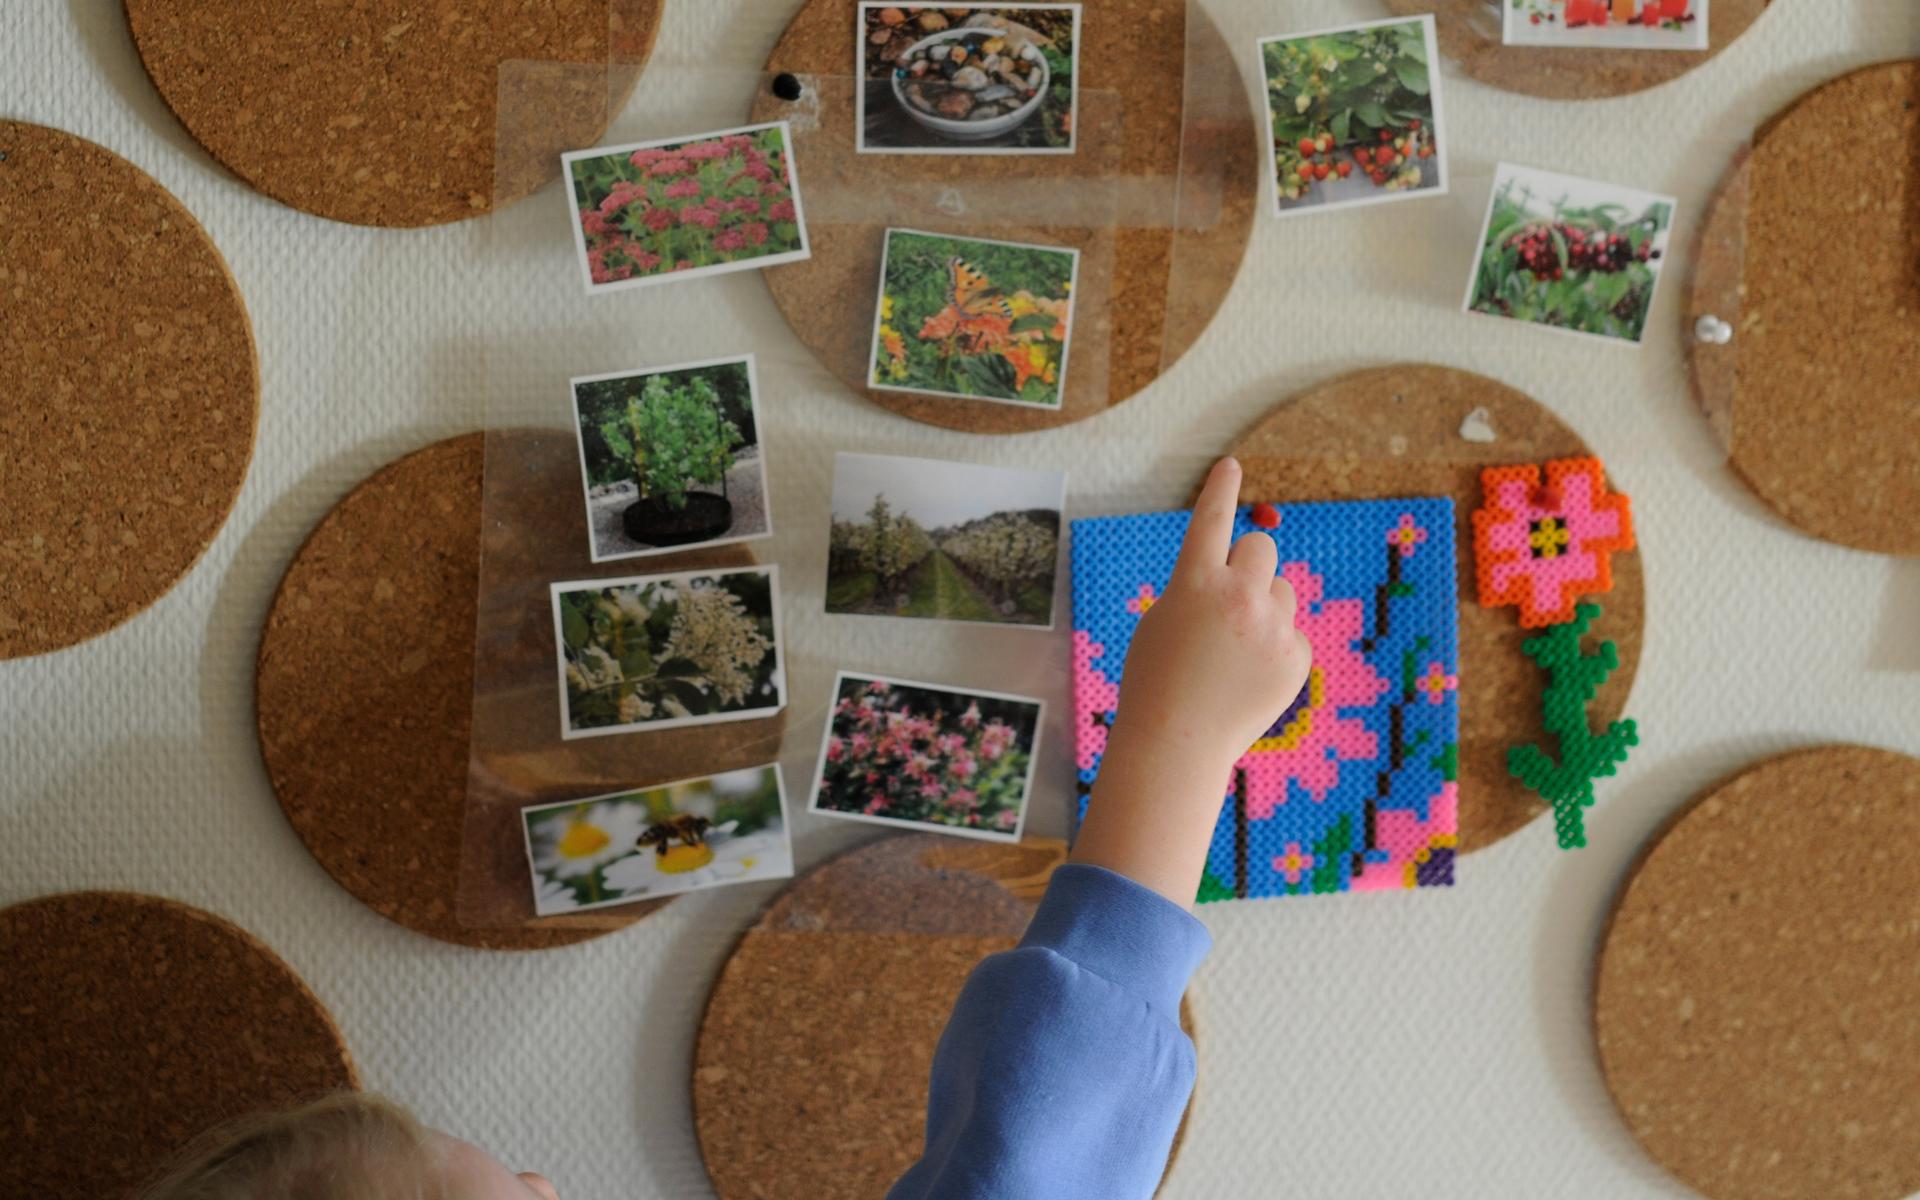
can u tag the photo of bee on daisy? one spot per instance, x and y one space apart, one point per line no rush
973 318
679 837
1607 24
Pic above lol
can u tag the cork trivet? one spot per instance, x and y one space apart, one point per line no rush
1757 998
131 1024
810 1071
365 698
1810 256
1158 197
1396 431
1470 35
130 390
383 114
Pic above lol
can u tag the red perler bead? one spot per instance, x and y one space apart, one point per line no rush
1265 515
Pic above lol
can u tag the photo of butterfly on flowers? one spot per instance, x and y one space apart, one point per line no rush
903 753
973 318
718 202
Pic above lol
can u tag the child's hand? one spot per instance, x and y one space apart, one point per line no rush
1213 663
1217 658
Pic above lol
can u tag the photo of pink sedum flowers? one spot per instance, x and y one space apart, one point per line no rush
901 753
658 210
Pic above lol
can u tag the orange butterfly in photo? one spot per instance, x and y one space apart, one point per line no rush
977 312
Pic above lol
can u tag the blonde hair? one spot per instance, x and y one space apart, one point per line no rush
348 1146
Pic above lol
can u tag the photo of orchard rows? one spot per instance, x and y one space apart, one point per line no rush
904 544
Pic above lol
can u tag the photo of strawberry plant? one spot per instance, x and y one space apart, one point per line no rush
670 458
659 651
938 759
1607 24
972 318
1355 115
917 537
671 209
1570 254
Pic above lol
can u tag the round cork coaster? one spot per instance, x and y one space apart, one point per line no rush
366 700
1813 395
1757 998
131 390
1402 431
1157 253
391 114
1470 35
810 1070
133 1024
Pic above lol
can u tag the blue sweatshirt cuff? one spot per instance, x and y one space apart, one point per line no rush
1117 929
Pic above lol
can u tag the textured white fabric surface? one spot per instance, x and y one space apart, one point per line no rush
1366 1046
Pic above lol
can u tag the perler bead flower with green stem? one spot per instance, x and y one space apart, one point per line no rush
1573 678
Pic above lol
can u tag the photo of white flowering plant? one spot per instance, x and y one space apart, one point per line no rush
658 651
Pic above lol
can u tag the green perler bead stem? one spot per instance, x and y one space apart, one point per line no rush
1573 678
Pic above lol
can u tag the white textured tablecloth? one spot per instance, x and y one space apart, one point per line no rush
1364 1046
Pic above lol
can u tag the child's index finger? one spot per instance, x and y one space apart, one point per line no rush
1210 534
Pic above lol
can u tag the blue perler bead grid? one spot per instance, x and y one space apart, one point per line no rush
1354 786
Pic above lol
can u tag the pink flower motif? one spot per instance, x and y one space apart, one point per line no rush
680 189
1410 842
1311 739
1542 547
1094 696
1436 683
1138 605
781 210
1406 535
1293 863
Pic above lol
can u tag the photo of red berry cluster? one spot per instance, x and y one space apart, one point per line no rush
1617 24
1570 253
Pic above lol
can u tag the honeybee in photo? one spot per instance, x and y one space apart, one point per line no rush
686 829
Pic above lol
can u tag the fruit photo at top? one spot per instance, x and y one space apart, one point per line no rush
1606 24
965 79
1355 115
1570 254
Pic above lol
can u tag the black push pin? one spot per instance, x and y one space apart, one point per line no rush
786 85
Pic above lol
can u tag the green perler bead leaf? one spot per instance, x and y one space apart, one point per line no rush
1573 678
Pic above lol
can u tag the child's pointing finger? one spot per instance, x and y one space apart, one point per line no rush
1211 532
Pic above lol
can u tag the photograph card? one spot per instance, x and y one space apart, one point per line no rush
1570 254
671 457
682 207
968 79
950 541
1607 24
928 757
662 651
1355 116
973 319
660 841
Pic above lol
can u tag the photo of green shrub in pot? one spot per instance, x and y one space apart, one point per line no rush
671 458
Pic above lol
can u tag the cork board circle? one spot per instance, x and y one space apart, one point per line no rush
127 364
1397 431
1470 35
133 1024
390 115
1145 290
1757 998
810 1068
1813 396
364 699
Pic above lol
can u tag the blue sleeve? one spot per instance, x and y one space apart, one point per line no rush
1063 1071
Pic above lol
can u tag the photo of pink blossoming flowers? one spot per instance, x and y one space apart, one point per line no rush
673 209
944 761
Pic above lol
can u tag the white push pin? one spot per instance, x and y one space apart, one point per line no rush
1712 330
